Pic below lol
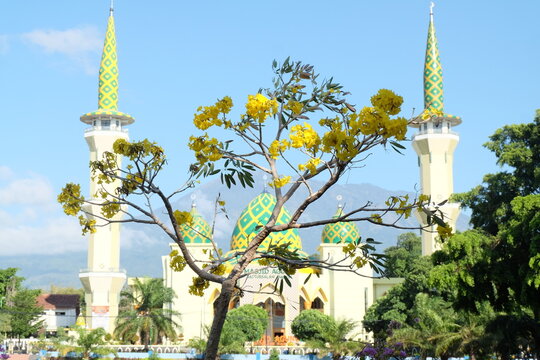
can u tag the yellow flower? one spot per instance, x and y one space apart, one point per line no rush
295 106
207 116
259 107
280 182
183 217
444 231
304 136
311 165
387 101
205 148
277 147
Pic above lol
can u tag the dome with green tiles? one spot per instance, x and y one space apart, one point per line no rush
198 232
342 232
257 214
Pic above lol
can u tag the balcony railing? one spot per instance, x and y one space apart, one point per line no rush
105 270
101 128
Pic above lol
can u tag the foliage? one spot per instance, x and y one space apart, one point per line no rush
396 304
198 344
87 343
301 128
401 257
335 339
311 325
251 320
25 313
504 268
517 148
232 340
246 323
9 284
274 355
142 314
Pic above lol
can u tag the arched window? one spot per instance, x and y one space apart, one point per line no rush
317 304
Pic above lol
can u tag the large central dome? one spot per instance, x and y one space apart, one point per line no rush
256 215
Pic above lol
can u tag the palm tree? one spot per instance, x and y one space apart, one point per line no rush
142 313
336 339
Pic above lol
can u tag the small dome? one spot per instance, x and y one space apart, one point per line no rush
342 232
256 214
198 232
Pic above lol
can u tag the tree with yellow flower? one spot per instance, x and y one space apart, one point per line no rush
300 129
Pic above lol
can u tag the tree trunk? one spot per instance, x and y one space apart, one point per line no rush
220 313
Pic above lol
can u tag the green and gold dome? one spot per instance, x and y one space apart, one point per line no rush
341 232
254 216
198 232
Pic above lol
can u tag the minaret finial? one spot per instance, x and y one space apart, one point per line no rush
112 7
433 79
265 179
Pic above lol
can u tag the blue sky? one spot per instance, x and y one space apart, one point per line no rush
177 55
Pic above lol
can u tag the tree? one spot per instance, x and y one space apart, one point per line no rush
395 306
335 339
251 320
311 325
87 343
25 313
401 257
9 283
517 147
142 314
505 267
294 144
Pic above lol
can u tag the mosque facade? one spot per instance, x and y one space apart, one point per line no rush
339 294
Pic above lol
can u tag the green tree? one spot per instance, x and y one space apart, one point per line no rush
87 343
251 320
517 148
9 284
335 339
25 313
397 303
301 129
142 313
311 325
401 258
504 268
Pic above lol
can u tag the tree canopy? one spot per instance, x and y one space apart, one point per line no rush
301 128
143 315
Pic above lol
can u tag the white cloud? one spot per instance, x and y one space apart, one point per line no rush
78 44
27 191
132 238
31 221
4 44
5 173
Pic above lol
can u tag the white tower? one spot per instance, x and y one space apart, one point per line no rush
435 143
103 279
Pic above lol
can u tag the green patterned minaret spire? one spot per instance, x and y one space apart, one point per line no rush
433 78
108 80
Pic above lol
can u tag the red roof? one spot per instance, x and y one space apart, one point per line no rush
58 301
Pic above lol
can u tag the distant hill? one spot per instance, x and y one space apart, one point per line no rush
143 246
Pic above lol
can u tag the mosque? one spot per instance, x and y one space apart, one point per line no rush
338 294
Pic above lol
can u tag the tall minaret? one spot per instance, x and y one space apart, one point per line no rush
103 279
435 144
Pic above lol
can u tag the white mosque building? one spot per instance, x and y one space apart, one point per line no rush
338 294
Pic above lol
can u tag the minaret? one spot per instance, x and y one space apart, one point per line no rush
435 143
103 279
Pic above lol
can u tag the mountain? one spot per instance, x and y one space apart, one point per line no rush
143 245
